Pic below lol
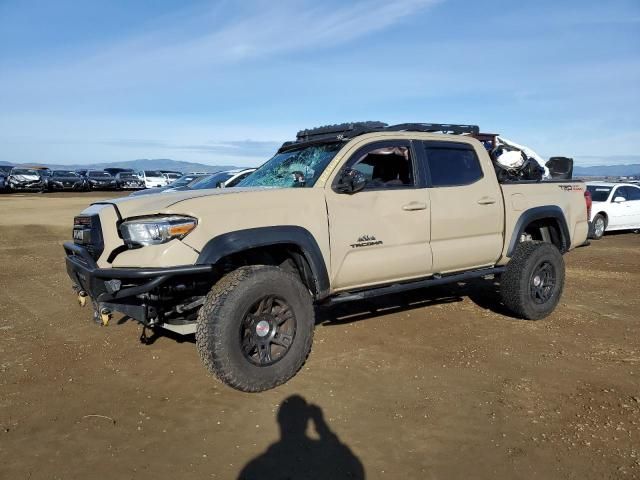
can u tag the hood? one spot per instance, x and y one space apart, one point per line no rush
26 178
135 206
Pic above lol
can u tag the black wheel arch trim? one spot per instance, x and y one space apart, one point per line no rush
540 213
243 240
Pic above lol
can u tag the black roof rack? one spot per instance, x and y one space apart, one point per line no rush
346 131
435 127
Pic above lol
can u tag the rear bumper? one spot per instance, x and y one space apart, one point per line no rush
120 289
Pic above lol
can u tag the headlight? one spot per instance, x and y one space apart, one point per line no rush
156 230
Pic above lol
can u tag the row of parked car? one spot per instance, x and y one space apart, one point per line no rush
15 179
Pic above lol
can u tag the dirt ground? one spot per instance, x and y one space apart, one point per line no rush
437 384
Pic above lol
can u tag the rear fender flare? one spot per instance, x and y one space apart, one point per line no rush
540 213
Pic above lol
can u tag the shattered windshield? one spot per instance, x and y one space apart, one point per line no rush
293 168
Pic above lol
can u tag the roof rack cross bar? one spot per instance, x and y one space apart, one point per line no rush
435 127
344 129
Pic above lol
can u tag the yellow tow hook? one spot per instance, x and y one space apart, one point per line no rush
82 298
105 316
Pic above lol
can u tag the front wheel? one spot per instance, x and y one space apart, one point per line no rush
532 284
255 328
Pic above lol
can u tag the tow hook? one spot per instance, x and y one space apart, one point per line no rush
82 298
105 316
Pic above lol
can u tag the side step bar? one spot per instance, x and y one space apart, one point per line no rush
413 285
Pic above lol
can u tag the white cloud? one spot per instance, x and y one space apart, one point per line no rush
268 29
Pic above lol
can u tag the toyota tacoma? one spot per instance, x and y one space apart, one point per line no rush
344 212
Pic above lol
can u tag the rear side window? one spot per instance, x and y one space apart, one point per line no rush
452 164
632 193
598 193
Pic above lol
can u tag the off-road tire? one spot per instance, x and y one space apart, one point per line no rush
221 316
594 234
518 280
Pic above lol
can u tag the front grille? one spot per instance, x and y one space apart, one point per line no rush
91 237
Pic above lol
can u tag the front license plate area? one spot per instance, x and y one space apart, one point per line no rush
81 236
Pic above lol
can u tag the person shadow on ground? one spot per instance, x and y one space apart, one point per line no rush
297 456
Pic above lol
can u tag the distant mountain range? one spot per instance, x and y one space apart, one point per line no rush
142 164
607 170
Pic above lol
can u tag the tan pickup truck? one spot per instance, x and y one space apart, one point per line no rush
342 213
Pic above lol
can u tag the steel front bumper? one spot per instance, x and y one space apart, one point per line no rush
120 289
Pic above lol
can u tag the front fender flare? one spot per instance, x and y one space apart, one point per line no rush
242 240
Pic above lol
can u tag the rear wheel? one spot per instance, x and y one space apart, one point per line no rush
255 328
532 283
599 226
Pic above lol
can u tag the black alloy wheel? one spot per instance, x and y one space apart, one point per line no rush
267 331
543 283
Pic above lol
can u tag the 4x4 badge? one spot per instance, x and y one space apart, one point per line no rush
366 241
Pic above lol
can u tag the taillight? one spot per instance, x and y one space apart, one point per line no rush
587 199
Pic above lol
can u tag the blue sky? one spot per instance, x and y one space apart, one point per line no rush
225 82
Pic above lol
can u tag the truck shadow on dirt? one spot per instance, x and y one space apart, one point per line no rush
484 293
297 455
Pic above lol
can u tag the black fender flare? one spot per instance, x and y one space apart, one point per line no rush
242 240
540 213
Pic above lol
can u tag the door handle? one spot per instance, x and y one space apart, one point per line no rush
487 201
409 207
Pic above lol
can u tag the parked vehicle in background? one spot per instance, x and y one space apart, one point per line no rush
152 178
27 179
66 180
5 171
100 180
344 212
226 179
237 176
44 172
615 206
113 171
183 181
128 181
171 176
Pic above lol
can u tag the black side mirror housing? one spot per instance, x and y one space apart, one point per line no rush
350 181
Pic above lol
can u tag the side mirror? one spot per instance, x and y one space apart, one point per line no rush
350 181
619 199
220 185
